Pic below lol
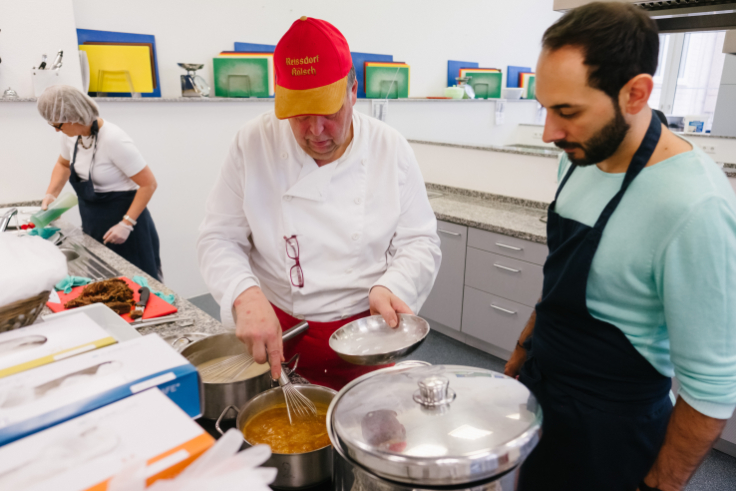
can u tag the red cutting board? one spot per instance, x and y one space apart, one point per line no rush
156 307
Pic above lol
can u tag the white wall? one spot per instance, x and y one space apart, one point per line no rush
30 28
424 33
724 122
463 122
520 176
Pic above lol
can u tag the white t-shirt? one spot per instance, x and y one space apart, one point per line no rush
116 159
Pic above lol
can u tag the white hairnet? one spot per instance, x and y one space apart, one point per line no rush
65 104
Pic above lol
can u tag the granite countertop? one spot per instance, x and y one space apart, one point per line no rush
203 323
501 214
531 150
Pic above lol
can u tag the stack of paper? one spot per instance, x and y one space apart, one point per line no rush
50 341
85 452
386 80
527 81
119 68
486 82
240 74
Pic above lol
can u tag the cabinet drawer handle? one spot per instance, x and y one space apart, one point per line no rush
507 311
509 247
506 268
448 232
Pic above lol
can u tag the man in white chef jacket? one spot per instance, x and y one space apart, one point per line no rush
319 213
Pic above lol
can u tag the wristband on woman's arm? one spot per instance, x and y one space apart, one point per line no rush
132 222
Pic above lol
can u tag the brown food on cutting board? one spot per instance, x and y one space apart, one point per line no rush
114 293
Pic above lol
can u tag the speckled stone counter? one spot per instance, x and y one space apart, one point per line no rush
531 150
202 322
501 214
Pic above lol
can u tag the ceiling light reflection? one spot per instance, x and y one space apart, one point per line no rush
467 432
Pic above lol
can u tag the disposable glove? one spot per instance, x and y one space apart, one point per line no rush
117 234
221 467
47 200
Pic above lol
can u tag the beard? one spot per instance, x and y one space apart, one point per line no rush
601 145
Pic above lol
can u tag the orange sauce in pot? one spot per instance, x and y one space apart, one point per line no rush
272 428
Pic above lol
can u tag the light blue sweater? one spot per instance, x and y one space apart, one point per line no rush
665 270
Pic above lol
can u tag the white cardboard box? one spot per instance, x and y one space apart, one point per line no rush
36 399
85 452
50 341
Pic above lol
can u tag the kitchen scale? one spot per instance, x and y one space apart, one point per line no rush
192 85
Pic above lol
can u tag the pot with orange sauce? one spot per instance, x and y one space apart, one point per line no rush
301 452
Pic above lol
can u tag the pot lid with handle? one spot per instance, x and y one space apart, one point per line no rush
435 425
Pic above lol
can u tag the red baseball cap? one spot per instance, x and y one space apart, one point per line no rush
312 62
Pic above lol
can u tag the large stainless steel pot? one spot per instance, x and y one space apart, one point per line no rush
295 471
218 396
428 427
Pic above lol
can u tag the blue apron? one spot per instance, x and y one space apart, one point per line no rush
606 408
101 211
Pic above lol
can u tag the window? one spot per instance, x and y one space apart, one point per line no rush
689 74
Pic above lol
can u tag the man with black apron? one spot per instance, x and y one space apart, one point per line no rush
612 326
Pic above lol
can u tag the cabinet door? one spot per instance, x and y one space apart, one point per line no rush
518 281
493 319
524 250
445 303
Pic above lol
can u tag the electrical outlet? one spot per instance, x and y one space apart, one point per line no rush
537 135
711 149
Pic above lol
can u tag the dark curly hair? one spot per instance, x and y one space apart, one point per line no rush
619 42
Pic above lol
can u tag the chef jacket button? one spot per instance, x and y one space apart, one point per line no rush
356 236
358 201
349 270
300 317
287 198
284 155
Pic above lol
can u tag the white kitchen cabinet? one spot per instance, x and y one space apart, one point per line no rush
493 319
503 282
486 287
504 245
515 280
445 304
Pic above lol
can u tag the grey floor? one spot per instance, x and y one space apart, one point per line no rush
717 473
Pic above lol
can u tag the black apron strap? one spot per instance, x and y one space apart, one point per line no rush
638 162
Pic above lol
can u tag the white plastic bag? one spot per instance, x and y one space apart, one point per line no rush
28 266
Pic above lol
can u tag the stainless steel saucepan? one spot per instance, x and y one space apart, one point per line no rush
295 471
218 396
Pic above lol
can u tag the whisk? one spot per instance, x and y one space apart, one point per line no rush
297 404
229 369
232 367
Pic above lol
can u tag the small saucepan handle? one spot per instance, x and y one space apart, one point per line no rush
181 343
224 412
295 331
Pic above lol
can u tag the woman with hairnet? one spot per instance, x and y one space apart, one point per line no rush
113 182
